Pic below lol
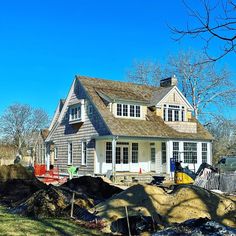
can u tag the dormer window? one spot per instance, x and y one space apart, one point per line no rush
127 110
173 113
76 112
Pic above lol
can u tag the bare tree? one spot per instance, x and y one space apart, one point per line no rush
224 132
145 72
214 23
19 122
202 84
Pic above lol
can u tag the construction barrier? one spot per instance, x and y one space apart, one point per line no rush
39 169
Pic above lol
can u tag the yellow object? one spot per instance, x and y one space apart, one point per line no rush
182 178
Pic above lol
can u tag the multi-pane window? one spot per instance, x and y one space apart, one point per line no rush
134 152
128 110
75 112
70 154
108 152
119 109
153 154
204 152
163 152
176 151
173 113
118 155
125 110
125 155
190 152
84 152
131 110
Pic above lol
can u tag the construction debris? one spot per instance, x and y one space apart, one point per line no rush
201 226
183 203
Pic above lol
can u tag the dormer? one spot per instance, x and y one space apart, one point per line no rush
77 112
124 104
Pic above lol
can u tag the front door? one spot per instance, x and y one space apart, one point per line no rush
153 158
122 158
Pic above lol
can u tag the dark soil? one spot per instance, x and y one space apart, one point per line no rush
93 187
15 191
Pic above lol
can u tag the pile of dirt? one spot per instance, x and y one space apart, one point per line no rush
94 187
17 171
183 203
15 191
48 202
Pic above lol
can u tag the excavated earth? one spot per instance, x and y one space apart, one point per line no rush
166 207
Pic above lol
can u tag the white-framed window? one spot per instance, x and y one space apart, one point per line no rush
163 152
204 152
173 113
176 151
134 152
190 152
84 153
55 153
108 152
153 154
75 112
127 110
70 154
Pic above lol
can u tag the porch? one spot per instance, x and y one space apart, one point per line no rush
126 156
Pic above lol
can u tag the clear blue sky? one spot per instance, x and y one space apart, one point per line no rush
44 43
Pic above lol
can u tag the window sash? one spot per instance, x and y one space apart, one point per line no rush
75 113
134 153
108 152
163 153
127 110
204 152
153 154
190 152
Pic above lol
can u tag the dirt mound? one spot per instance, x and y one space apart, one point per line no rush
183 203
94 187
48 202
14 191
8 172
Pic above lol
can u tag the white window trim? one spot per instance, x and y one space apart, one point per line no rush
128 111
70 154
55 153
181 108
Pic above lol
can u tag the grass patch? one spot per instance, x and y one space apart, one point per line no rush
12 224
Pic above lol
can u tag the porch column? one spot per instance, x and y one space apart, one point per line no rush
114 157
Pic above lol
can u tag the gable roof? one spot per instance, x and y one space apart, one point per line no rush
152 126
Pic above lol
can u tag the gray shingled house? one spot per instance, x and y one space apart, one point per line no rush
108 125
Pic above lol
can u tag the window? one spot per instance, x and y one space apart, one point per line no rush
108 152
131 111
137 111
153 154
204 152
134 152
176 151
75 112
119 109
125 110
173 113
163 152
190 152
128 110
84 152
55 153
118 155
70 154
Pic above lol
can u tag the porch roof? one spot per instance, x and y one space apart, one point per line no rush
152 127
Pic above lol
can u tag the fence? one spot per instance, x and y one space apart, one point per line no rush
225 182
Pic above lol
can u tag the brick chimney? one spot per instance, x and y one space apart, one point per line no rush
171 81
